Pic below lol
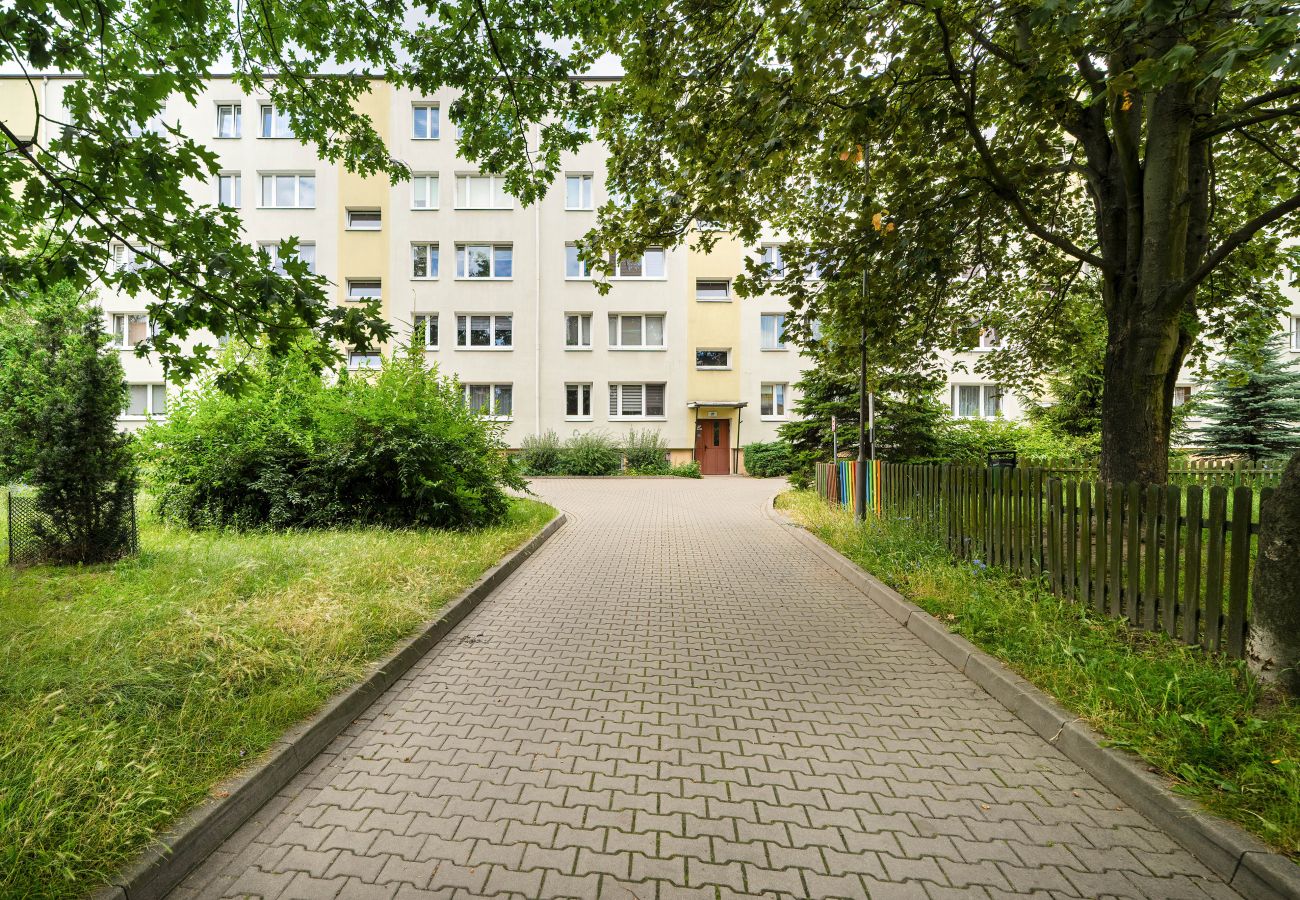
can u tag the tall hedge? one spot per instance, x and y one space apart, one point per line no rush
394 447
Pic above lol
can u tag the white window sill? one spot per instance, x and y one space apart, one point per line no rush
499 418
713 368
275 137
226 137
472 278
983 349
485 208
422 138
579 419
579 209
774 418
638 278
586 349
577 278
774 349
712 299
638 418
639 349
374 230
484 349
424 209
360 299
285 207
424 277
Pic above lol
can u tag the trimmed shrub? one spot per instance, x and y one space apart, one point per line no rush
61 391
592 453
541 454
686 470
396 447
769 460
969 441
646 452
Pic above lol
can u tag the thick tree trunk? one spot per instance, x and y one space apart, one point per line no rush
1274 646
1144 354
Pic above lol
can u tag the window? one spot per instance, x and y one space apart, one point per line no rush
1182 394
365 220
145 400
1295 332
577 192
123 256
424 260
773 331
306 253
275 122
229 120
289 191
365 359
484 331
364 289
649 265
230 189
131 329
712 289
635 401
573 266
635 331
973 401
424 330
577 331
484 260
771 400
713 359
577 401
482 192
989 339
493 400
770 256
424 122
424 192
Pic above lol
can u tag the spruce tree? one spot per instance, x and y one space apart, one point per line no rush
1253 407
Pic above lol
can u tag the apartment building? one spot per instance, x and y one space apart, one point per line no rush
496 293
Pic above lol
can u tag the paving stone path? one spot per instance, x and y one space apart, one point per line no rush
674 698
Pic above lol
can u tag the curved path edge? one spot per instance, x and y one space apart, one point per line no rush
1238 857
164 864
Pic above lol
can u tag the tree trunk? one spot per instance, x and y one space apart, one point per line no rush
1274 646
1144 355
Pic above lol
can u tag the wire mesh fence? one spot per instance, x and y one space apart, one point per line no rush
32 536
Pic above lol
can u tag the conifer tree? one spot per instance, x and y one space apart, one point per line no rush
1253 407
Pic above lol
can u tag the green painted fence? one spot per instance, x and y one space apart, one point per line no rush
1175 558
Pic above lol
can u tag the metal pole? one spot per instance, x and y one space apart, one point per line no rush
860 485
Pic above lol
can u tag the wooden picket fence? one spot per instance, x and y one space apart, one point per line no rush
1205 472
836 482
1171 558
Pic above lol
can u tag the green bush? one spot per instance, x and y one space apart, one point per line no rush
769 460
592 453
61 391
396 447
969 441
686 470
646 453
541 454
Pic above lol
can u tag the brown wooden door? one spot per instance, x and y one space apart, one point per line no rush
713 446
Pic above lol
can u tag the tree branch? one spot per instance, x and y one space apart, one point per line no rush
1238 238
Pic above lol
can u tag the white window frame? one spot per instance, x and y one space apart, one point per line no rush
276 117
493 247
433 121
584 330
359 219
432 186
149 397
988 341
1188 394
492 344
726 290
662 276
774 254
1295 333
778 333
586 185
120 336
236 180
617 333
374 360
726 367
493 387
497 196
616 392
357 282
985 392
272 249
297 189
584 269
123 257
585 389
779 405
422 322
236 116
432 260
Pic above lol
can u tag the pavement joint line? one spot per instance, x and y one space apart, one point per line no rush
165 863
1243 861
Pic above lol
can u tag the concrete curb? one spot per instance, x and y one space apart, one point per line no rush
166 863
1240 859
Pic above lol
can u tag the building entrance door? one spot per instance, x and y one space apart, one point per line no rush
713 446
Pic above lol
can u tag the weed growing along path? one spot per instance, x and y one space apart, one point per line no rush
127 691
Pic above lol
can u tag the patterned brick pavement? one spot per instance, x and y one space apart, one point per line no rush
674 698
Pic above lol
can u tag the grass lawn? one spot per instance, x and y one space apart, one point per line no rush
127 691
1200 720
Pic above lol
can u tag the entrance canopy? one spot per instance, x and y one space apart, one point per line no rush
726 404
